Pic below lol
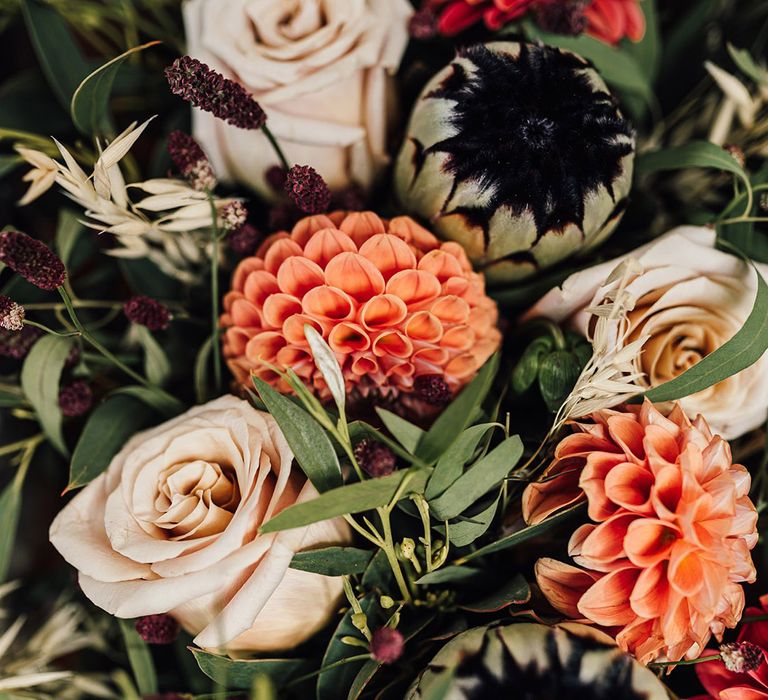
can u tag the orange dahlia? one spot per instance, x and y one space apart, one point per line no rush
392 301
670 538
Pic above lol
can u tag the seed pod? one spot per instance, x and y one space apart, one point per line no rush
519 153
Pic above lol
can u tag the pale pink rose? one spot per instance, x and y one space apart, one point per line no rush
321 69
691 299
171 527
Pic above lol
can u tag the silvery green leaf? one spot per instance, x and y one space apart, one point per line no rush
328 365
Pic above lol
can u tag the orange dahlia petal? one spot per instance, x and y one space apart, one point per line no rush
607 600
649 541
348 337
297 276
383 311
355 275
441 264
278 308
414 287
280 251
362 225
651 591
326 244
328 303
304 229
563 585
388 253
424 326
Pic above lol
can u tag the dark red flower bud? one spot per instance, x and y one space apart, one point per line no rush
561 16
432 389
233 216
191 160
244 240
375 458
307 189
351 198
423 24
147 312
32 259
16 344
76 398
275 177
741 657
157 629
11 314
203 87
387 645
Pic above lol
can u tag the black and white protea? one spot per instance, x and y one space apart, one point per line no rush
519 153
535 662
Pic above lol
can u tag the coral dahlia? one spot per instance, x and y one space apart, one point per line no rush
392 301
670 538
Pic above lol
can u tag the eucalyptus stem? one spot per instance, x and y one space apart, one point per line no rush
276 147
216 347
335 664
687 662
389 551
48 330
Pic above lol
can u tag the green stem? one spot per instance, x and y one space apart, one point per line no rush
20 445
216 346
389 551
335 664
50 331
687 662
276 147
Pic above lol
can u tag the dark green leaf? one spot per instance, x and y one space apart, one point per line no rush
468 528
67 233
11 400
742 350
647 51
40 377
480 478
406 433
165 404
378 575
106 432
558 373
90 101
201 370
141 659
157 366
238 674
353 498
309 442
10 509
60 58
363 677
459 414
526 533
516 591
9 164
450 574
451 464
333 561
743 59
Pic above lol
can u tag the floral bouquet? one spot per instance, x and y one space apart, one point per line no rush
384 349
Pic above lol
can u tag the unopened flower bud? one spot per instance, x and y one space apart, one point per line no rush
75 399
244 240
740 657
157 629
387 645
407 548
307 189
11 314
375 458
359 621
275 177
432 389
233 216
386 602
147 312
191 161
32 259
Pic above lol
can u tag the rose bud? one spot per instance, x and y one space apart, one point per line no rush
519 153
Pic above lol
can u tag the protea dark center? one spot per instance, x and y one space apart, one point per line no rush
536 662
519 153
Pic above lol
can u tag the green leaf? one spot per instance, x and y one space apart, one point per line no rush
742 350
333 561
109 427
468 528
526 533
9 163
363 677
40 378
743 59
694 154
60 58
157 366
459 414
309 442
201 370
10 510
237 674
68 231
140 658
90 101
558 373
480 478
408 434
516 591
11 400
326 362
353 498
527 368
647 51
165 404
450 574
451 464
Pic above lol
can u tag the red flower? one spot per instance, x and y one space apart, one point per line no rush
607 20
722 684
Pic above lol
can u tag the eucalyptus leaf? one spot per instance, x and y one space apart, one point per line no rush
743 59
68 231
309 442
40 376
516 591
468 528
363 678
352 498
165 404
451 574
407 434
458 414
239 674
157 366
109 427
741 351
10 510
333 561
140 658
480 478
326 362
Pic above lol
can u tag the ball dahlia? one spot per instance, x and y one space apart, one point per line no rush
670 538
392 302
519 153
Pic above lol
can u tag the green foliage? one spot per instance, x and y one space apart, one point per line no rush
140 659
240 674
333 561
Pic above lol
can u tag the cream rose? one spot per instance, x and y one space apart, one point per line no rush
320 70
691 298
171 527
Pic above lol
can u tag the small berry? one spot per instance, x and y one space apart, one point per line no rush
32 259
375 458
432 389
11 314
387 645
147 312
307 189
157 629
76 398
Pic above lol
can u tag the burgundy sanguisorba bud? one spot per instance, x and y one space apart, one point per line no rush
387 645
147 312
561 16
191 161
432 389
307 189
11 314
375 458
233 215
16 344
741 657
275 177
32 259
244 240
210 91
76 398
423 24
157 629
